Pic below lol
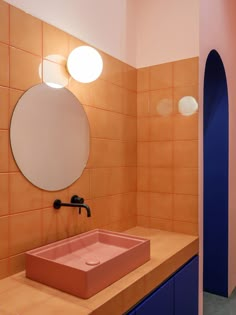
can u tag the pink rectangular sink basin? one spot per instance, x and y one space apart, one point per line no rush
85 264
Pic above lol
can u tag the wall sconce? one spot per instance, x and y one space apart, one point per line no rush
187 105
84 64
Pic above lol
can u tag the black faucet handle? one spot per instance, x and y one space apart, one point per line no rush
76 199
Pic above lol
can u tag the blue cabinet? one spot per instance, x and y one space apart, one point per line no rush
177 296
160 301
186 289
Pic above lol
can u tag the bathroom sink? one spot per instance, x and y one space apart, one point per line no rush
85 264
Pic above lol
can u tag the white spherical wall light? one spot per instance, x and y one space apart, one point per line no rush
85 64
187 105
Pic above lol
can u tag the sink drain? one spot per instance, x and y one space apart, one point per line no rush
92 262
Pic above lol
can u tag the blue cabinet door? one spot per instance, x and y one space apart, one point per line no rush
160 302
186 289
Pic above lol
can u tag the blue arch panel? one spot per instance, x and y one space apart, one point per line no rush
216 147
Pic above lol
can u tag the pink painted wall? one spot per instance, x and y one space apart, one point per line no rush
107 25
140 33
166 30
217 31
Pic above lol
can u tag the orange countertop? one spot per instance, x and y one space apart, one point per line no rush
169 251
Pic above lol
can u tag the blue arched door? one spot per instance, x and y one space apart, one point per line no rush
216 147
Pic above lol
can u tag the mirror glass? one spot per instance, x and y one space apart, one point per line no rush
49 136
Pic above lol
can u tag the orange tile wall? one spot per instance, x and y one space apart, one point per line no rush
167 172
163 147
108 183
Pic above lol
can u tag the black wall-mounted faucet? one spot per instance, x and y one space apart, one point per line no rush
76 202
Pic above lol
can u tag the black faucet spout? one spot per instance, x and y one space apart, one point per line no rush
83 205
76 202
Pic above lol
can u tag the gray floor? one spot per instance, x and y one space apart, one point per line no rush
217 305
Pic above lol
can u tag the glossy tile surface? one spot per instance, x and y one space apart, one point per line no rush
167 146
30 51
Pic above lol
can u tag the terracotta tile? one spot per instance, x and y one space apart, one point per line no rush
186 181
186 153
130 204
105 124
161 206
180 92
113 70
117 206
109 181
120 208
186 208
130 77
118 153
129 128
24 71
186 127
186 72
129 223
161 180
20 190
55 42
100 181
161 224
49 228
143 178
161 128
83 92
4 236
116 98
64 227
4 265
129 153
143 153
161 102
25 31
17 263
130 103
4 107
143 221
25 231
160 154
101 212
82 186
75 42
143 104
4 65
143 204
4 144
143 79
70 222
185 227
15 95
99 92
4 22
143 126
48 197
4 194
161 76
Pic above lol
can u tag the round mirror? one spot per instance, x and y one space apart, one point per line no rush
49 137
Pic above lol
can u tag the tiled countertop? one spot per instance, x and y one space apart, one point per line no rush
169 251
